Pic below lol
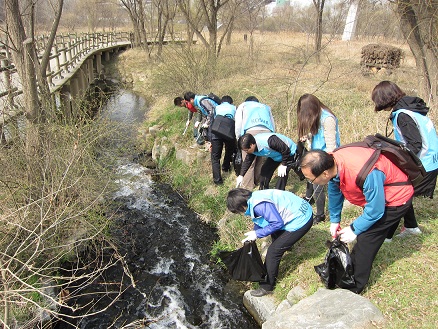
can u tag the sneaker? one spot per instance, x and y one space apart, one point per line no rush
405 231
318 219
260 292
387 240
195 146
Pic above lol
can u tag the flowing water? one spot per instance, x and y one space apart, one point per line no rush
167 250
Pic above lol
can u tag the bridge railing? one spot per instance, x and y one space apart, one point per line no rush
69 49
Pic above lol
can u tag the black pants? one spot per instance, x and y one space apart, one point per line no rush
282 241
410 221
427 185
267 171
217 145
369 242
425 189
318 194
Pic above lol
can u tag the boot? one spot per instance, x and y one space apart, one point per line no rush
318 219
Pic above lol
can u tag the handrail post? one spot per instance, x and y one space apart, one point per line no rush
49 74
64 57
69 55
57 62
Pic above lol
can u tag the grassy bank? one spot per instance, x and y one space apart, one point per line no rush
403 282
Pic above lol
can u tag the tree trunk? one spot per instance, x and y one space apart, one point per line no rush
230 32
136 13
319 6
418 22
36 93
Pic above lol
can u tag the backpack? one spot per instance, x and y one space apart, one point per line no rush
215 98
395 151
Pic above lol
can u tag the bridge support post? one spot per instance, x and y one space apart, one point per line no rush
90 71
75 97
65 102
82 84
99 64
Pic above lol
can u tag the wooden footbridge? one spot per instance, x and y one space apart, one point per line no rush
75 63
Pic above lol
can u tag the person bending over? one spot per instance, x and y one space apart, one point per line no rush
280 214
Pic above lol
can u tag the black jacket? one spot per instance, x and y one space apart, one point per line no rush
407 126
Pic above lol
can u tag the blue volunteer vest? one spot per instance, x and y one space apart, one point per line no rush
294 211
257 114
429 148
318 141
263 149
226 109
197 103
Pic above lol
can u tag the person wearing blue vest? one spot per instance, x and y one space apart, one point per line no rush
280 151
206 106
318 129
280 214
253 117
413 128
226 109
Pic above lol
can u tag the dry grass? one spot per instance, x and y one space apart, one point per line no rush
403 282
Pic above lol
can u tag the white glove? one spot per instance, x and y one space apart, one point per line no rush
239 180
334 228
250 236
282 171
187 123
347 235
205 125
197 124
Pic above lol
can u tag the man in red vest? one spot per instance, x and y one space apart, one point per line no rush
181 102
385 198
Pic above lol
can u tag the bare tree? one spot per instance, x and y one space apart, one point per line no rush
419 24
31 69
319 6
166 11
137 14
55 246
209 9
43 206
251 17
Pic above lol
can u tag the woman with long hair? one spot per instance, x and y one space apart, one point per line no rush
318 129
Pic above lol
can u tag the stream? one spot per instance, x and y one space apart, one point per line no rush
167 251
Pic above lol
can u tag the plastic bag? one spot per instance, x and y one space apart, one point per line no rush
237 161
337 269
244 264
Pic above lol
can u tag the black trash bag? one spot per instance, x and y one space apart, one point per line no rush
294 163
244 264
237 161
337 269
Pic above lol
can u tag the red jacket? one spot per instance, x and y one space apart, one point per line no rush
351 160
190 107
